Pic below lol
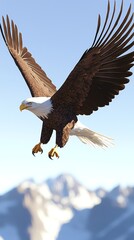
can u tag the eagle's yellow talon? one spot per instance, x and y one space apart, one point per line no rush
53 152
37 149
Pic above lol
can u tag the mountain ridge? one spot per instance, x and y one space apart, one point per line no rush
62 208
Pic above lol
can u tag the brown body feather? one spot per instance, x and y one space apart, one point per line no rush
101 73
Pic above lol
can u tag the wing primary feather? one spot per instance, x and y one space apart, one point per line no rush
5 37
113 28
119 32
107 15
17 41
103 37
120 61
9 33
97 31
120 50
120 41
20 43
13 35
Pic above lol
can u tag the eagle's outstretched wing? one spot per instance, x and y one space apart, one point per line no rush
103 70
36 79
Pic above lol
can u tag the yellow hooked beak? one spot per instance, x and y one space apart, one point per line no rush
23 106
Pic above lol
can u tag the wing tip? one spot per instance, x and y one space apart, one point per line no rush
104 35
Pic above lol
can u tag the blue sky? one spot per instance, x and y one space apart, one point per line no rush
57 33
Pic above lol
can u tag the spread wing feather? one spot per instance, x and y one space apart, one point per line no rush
103 70
36 79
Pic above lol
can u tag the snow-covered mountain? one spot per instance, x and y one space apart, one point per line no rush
62 209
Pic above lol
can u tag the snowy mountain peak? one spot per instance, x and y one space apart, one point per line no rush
62 208
64 185
123 196
67 191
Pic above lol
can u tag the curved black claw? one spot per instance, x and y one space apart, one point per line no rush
33 153
53 152
37 149
41 151
49 155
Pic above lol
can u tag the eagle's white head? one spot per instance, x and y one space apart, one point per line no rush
40 106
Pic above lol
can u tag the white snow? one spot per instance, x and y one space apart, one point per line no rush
84 199
1 238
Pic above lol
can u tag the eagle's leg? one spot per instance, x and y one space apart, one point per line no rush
62 136
37 148
53 152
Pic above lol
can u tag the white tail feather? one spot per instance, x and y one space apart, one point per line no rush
87 136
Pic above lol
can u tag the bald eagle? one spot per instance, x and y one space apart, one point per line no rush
100 74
